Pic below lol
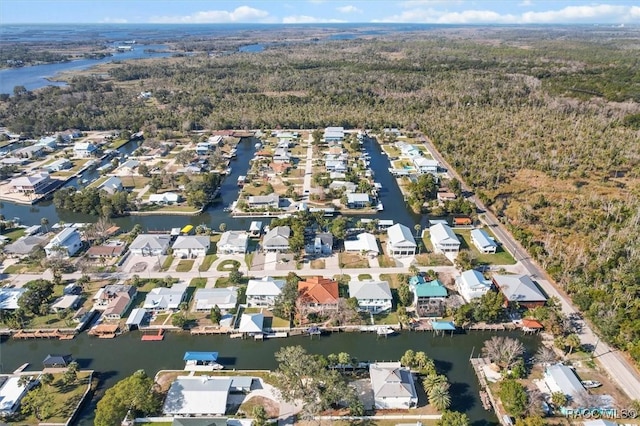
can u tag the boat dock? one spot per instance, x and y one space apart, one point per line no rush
44 334
486 397
153 337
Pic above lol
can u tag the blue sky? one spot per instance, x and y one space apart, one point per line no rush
312 11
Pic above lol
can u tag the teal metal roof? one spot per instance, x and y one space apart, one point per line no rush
427 289
443 325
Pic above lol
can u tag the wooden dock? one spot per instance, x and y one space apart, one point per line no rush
43 334
155 337
485 398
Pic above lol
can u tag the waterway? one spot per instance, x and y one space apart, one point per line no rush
116 359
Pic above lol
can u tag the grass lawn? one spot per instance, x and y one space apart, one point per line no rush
279 322
14 233
178 208
20 268
224 282
228 264
184 265
352 260
206 263
167 263
198 282
432 259
501 257
363 277
386 262
137 182
118 143
160 319
392 279
318 264
391 150
388 318
64 399
253 310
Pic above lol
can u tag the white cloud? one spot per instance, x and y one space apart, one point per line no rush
525 3
108 20
348 9
595 13
306 19
239 14
410 4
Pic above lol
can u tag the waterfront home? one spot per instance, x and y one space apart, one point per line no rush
67 301
9 298
408 150
109 293
264 291
519 290
340 184
35 183
322 244
281 155
251 323
201 361
255 229
364 243
165 298
31 152
357 200
25 245
277 239
286 137
119 305
197 396
50 142
443 239
150 245
58 165
373 296
425 165
333 135
57 361
13 161
233 242
339 166
165 198
111 248
112 185
191 246
444 196
560 378
136 318
128 167
400 241
428 296
483 242
65 244
203 148
264 201
84 149
472 284
12 390
393 386
205 299
318 294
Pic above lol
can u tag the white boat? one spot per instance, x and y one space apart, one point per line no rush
590 384
227 171
380 207
385 331
83 181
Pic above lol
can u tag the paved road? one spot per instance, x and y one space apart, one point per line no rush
616 366
308 170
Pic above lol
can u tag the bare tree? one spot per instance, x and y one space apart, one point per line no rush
503 350
545 355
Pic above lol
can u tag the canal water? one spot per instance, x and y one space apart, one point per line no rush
118 358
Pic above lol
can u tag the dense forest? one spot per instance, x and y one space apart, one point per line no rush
544 125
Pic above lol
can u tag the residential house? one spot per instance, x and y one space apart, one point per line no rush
112 295
364 243
31 152
84 149
108 249
264 201
165 298
560 378
472 284
67 301
373 296
65 244
233 242
12 390
9 298
263 292
519 290
58 165
197 396
112 185
164 198
317 294
150 245
25 245
400 241
393 386
408 150
251 323
191 246
49 142
225 298
281 155
339 166
428 296
443 239
128 167
255 229
444 196
277 239
117 307
340 184
204 148
425 165
357 200
322 244
35 183
57 361
333 134
483 242
287 137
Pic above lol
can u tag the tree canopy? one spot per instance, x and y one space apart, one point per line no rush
136 393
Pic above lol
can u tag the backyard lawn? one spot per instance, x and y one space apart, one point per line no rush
13 234
501 257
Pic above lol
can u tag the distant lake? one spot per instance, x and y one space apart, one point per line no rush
252 48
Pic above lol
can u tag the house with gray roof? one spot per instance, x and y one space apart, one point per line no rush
400 241
483 242
322 244
358 200
112 185
393 386
443 239
197 396
35 183
9 298
472 284
190 246
373 296
264 291
264 201
165 298
333 134
58 165
150 245
560 378
65 244
224 298
25 245
233 242
364 243
520 290
277 239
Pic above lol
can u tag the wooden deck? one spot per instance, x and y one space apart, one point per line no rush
155 337
43 334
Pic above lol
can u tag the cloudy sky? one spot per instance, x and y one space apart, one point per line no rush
314 11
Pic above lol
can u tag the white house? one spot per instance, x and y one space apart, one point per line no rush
472 284
190 246
340 184
197 396
364 243
372 296
164 198
443 239
34 183
11 392
263 292
251 323
112 185
483 242
333 134
84 149
393 386
425 165
322 244
400 241
64 244
9 298
58 165
277 239
224 298
233 242
165 298
150 244
560 378
264 201
358 200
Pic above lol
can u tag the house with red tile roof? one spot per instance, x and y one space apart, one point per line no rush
317 294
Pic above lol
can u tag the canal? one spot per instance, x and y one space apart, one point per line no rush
116 359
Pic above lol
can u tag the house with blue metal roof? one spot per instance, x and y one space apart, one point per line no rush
483 242
428 296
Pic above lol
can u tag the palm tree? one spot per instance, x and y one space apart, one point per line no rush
222 227
432 381
439 397
573 341
417 227
45 222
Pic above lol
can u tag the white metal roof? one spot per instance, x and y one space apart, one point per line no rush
370 290
442 233
265 286
196 395
400 234
251 323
